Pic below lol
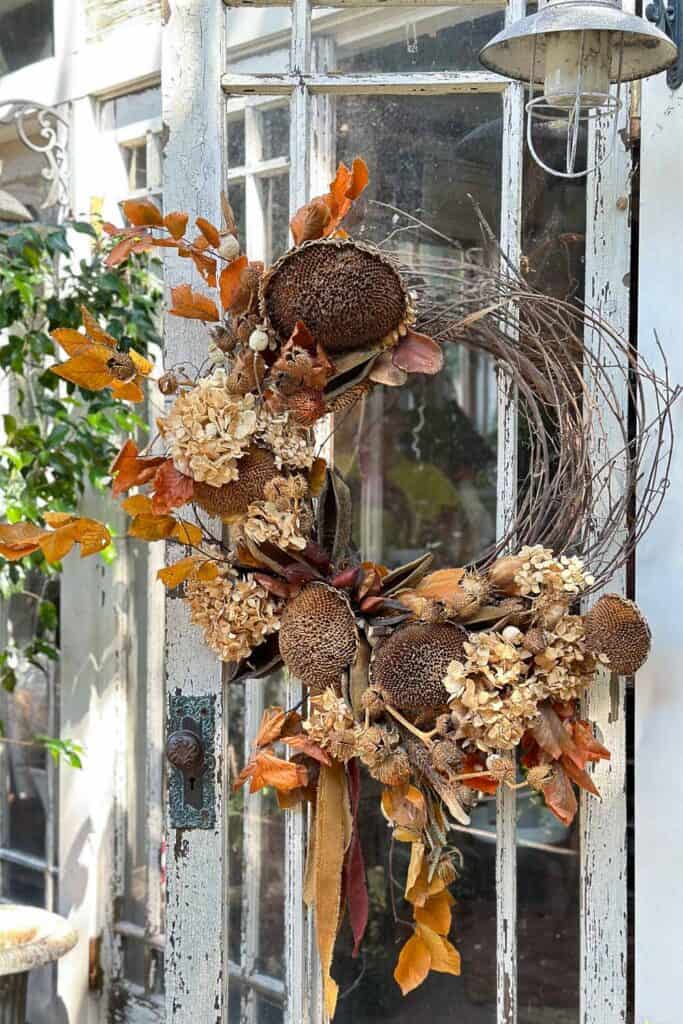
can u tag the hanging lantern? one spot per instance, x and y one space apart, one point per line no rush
575 50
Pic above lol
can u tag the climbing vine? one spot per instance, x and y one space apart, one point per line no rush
57 440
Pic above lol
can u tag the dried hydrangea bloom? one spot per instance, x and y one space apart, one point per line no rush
491 702
540 570
235 614
267 522
286 488
564 669
332 726
209 430
290 444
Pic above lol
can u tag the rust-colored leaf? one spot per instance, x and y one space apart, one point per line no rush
127 246
271 726
303 745
360 178
142 213
588 747
436 912
176 223
73 342
206 265
171 488
92 536
94 331
265 769
230 280
413 964
309 221
19 539
192 305
560 797
130 470
424 887
579 776
150 527
210 232
417 353
404 805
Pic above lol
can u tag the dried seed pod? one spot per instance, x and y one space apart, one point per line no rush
246 374
306 406
258 340
410 664
463 593
502 574
256 469
618 629
223 337
536 640
121 367
318 635
347 294
445 755
393 770
168 384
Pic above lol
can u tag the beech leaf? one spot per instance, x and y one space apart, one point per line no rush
230 280
444 957
413 964
130 470
176 223
171 488
436 912
210 232
142 213
192 305
19 539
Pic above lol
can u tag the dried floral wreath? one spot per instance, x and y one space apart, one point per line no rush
431 680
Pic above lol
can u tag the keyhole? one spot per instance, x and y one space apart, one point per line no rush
192 782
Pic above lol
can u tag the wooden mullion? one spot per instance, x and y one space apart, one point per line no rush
341 84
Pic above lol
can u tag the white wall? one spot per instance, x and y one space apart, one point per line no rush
659 686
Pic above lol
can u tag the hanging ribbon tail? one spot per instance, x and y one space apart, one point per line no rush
354 883
331 824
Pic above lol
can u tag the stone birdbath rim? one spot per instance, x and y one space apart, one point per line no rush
31 937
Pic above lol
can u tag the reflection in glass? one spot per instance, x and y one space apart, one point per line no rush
553 246
421 463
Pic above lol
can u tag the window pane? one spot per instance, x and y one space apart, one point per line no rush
26 33
132 107
406 39
236 141
237 201
553 245
275 132
421 464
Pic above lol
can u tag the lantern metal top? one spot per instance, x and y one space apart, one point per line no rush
645 51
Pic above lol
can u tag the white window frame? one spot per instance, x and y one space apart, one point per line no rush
193 55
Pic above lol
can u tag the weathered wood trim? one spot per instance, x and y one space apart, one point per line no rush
603 822
193 112
394 84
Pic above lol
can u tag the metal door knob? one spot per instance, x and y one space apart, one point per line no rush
185 751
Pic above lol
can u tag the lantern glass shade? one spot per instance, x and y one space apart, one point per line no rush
577 64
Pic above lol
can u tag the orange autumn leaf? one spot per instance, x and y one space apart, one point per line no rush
19 539
147 525
230 280
206 266
270 728
176 223
142 213
559 796
193 567
424 887
130 470
588 747
405 806
89 370
211 233
137 505
92 536
417 854
171 488
413 964
189 533
192 305
444 956
130 243
346 187
265 769
304 745
310 221
436 912
95 362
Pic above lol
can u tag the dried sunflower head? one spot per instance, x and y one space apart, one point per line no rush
236 614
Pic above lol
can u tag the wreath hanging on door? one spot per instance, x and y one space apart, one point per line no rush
442 684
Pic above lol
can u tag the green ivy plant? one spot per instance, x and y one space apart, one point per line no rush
58 440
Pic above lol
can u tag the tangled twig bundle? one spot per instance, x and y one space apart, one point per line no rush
594 416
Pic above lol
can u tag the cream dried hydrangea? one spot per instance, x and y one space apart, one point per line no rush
236 614
491 702
564 669
540 570
267 521
332 726
209 430
290 444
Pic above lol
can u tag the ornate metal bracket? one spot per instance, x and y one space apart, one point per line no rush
668 16
53 131
190 751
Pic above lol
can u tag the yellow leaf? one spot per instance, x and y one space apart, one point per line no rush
141 364
92 535
406 835
149 527
445 957
127 391
187 533
413 964
436 912
71 341
423 887
94 331
404 805
85 370
19 539
58 544
207 571
57 519
137 504
172 575
415 867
